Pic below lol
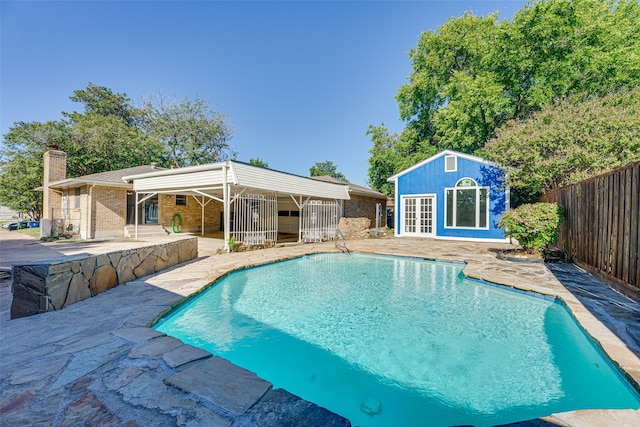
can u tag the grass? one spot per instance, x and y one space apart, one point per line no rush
33 232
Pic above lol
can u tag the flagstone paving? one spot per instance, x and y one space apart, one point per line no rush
95 362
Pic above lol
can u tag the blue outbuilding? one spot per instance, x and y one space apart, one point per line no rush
451 195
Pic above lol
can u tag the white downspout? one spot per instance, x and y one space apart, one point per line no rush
89 216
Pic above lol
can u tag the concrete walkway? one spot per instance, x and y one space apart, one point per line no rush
95 362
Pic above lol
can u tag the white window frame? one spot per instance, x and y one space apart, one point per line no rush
418 197
455 163
478 189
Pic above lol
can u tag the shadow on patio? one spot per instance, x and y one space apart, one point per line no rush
619 313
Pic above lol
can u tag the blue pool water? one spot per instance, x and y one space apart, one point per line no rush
401 341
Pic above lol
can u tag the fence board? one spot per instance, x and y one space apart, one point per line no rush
634 268
602 225
627 226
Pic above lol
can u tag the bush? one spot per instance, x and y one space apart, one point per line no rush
535 226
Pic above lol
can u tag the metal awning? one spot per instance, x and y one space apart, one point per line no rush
218 181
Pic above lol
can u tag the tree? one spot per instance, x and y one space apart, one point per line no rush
102 138
258 162
107 135
190 131
101 101
567 141
21 169
326 168
474 74
391 154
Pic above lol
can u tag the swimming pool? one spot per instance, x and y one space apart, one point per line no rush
400 341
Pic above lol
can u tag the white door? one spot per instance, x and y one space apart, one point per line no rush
418 217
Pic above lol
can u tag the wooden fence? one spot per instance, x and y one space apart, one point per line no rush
601 231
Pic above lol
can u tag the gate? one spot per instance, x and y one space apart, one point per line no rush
319 220
255 219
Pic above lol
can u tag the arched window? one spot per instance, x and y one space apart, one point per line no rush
467 205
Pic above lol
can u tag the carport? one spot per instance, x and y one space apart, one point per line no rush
253 194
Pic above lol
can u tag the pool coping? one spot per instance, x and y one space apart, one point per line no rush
191 278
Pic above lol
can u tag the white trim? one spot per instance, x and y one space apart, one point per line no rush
434 223
440 154
397 211
466 239
478 189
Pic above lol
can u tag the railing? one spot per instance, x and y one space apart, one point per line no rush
342 246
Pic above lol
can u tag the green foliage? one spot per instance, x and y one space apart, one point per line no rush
190 131
474 74
19 177
258 162
391 154
567 141
534 226
101 101
326 168
232 244
21 163
110 134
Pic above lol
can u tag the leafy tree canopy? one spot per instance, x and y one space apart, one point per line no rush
21 163
109 134
191 132
567 141
258 162
326 168
474 74
101 101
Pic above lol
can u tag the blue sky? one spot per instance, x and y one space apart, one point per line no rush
300 80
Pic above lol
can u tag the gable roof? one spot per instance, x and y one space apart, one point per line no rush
477 159
353 188
107 179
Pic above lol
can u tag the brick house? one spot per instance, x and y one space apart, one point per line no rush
261 204
93 206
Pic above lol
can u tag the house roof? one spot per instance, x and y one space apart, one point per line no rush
353 188
393 178
210 179
107 179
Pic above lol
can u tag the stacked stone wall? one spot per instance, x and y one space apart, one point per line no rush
43 286
354 228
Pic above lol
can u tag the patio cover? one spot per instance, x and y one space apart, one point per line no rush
217 181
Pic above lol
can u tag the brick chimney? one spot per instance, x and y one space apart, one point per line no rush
55 169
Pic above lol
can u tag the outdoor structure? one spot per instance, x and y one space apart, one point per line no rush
250 203
254 205
451 195
364 202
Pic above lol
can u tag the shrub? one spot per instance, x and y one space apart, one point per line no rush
535 226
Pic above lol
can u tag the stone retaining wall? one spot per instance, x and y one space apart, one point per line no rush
50 285
354 228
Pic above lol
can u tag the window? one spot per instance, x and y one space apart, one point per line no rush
77 198
450 163
181 200
467 205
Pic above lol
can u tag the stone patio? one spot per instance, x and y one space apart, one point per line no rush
96 362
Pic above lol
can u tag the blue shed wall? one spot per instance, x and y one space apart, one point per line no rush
431 178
